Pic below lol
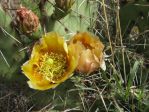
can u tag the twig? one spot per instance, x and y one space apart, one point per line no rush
43 14
107 30
121 39
6 95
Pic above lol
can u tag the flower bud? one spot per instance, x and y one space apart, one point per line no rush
64 4
26 20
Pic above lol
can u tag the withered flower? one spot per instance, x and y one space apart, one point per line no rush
89 51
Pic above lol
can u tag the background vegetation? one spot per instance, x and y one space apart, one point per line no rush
121 25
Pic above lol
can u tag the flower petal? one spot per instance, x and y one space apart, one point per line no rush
55 43
71 65
87 62
29 70
89 50
41 85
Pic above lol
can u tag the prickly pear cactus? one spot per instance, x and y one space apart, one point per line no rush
16 41
11 55
79 17
76 16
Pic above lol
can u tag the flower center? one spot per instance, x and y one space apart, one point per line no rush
52 66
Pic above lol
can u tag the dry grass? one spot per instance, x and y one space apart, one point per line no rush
122 87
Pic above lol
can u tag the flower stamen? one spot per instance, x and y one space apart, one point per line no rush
52 66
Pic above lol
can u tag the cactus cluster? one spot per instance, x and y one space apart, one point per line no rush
43 40
32 20
18 37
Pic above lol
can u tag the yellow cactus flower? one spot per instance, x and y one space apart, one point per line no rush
89 51
51 62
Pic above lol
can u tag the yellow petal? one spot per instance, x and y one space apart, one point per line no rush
71 65
41 85
87 62
87 40
28 70
50 42
89 50
76 49
36 80
55 43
